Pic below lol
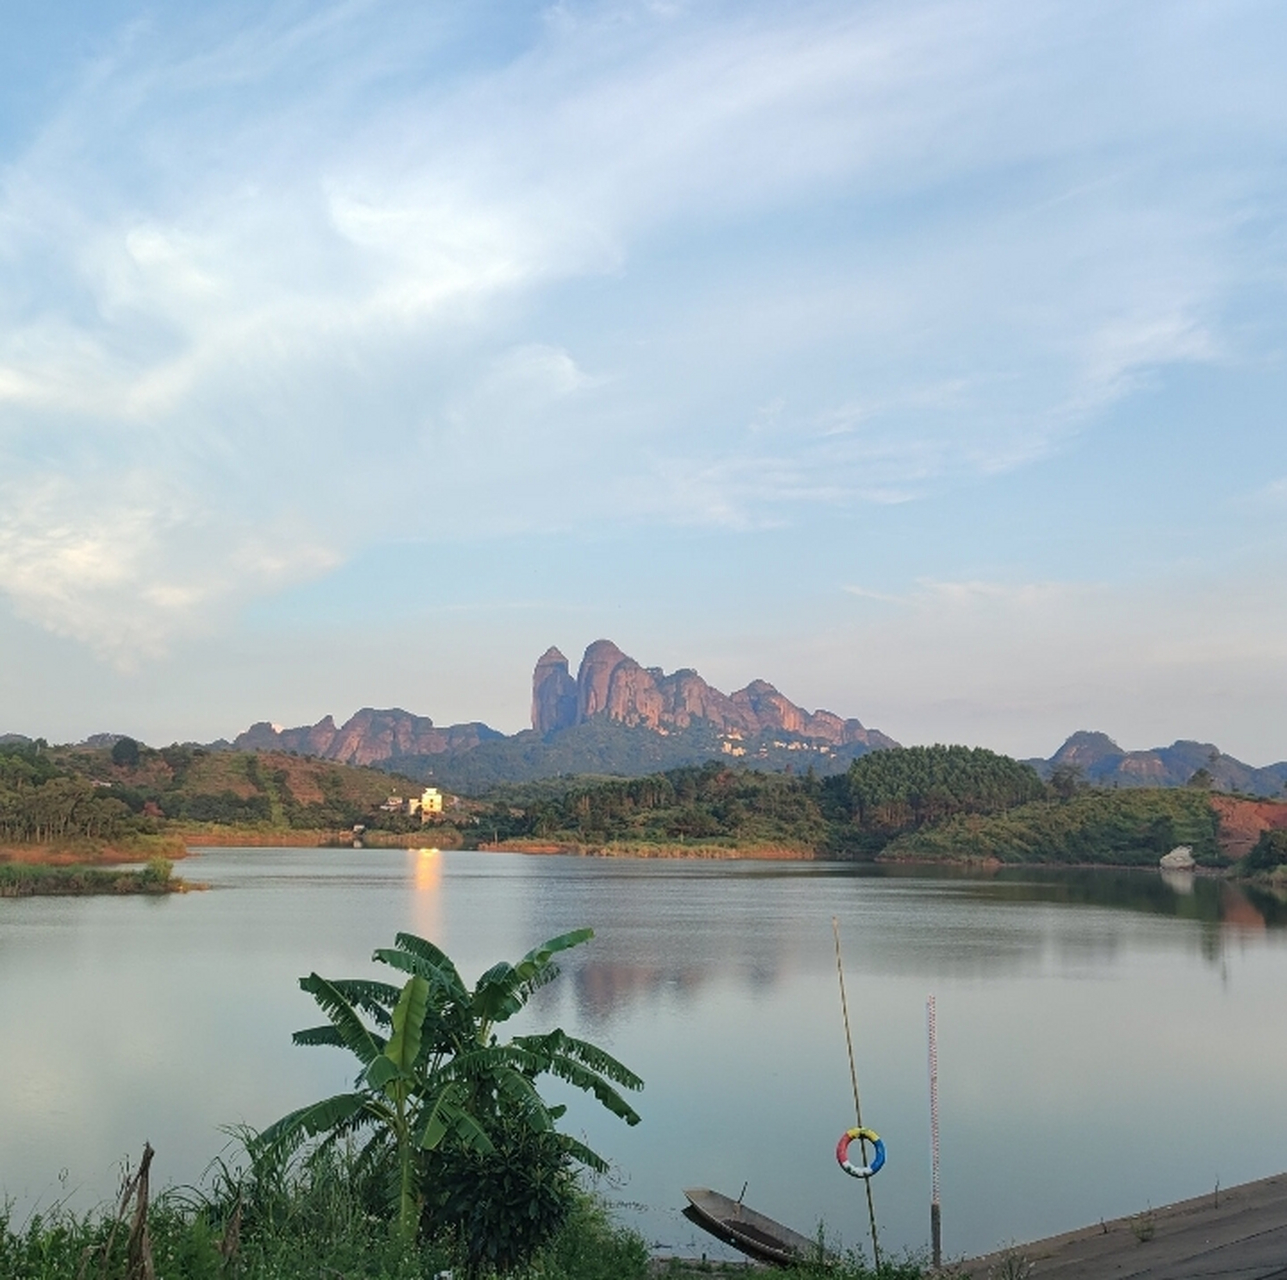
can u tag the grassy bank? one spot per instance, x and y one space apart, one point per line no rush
318 1222
33 879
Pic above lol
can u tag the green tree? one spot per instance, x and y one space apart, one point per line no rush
446 1102
906 788
1270 851
1066 780
125 753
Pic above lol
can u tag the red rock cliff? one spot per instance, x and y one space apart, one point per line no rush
612 683
554 693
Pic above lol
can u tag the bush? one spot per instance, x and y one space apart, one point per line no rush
503 1205
1270 851
590 1246
157 872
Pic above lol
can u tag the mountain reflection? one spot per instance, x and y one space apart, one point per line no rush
604 989
680 935
1206 899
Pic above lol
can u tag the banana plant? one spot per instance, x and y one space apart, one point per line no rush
433 1069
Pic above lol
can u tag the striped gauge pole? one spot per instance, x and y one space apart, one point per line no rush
936 1220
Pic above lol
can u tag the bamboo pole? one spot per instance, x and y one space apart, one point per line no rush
853 1076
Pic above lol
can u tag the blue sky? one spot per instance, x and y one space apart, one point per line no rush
925 359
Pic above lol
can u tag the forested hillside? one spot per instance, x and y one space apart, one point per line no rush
1123 827
605 746
883 795
889 792
51 795
921 803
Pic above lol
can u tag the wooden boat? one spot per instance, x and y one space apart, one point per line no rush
753 1233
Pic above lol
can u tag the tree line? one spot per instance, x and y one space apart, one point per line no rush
41 803
883 795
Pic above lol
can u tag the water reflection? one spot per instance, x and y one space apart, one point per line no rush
1180 881
426 878
1080 1013
1269 904
1178 894
675 932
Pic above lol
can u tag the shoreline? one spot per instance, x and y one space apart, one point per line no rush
1239 1230
718 853
93 854
181 843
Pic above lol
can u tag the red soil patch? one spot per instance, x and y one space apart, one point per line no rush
1242 821
237 838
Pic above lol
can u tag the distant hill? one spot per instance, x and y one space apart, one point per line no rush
608 748
272 789
84 801
1101 761
616 717
366 738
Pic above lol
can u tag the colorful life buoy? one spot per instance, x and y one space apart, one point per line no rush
842 1153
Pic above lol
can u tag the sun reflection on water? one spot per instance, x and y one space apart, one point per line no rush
426 902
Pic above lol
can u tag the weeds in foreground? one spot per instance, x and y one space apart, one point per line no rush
853 1266
317 1217
323 1215
1144 1226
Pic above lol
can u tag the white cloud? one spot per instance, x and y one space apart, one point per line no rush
126 569
266 270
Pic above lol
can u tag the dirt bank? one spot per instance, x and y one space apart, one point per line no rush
92 854
1242 821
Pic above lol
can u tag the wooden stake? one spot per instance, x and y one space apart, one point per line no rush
936 1216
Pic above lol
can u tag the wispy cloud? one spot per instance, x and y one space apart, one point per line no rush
271 270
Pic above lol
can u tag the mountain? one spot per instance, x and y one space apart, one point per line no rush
1101 761
613 685
615 717
368 737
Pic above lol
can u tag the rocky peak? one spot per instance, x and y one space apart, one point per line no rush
554 693
367 737
612 684
1085 749
595 676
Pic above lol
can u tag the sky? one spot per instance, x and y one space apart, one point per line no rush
925 359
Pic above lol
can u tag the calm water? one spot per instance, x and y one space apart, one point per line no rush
1106 1041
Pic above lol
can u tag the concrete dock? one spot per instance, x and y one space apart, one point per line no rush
1240 1233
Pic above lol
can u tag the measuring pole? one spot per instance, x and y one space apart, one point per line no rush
936 1221
853 1076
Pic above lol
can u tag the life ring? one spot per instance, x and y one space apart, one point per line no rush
842 1153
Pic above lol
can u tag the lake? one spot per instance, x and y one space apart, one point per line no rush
1107 1040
